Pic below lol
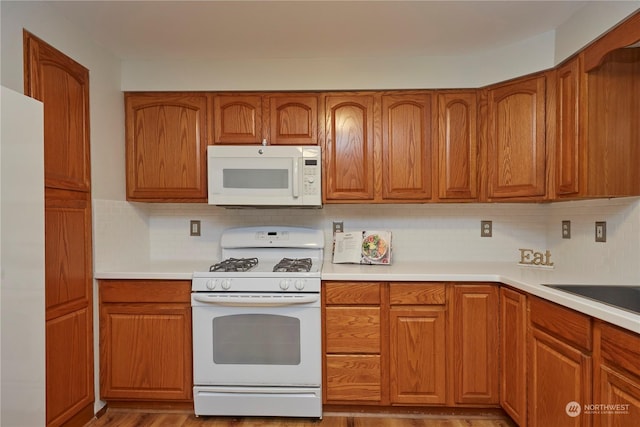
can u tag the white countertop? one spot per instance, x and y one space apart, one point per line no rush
527 279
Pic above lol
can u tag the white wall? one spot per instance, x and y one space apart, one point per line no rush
22 390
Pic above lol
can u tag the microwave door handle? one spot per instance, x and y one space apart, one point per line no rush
296 178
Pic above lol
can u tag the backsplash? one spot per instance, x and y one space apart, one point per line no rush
431 232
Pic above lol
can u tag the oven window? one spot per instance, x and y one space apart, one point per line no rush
256 339
255 178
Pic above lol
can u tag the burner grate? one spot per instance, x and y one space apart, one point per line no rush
290 265
235 264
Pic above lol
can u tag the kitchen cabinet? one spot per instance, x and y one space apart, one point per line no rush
417 320
145 341
616 375
62 85
457 144
166 142
569 132
559 364
349 144
278 118
378 147
407 165
513 354
516 146
474 319
353 343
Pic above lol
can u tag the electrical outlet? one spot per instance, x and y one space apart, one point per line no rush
486 228
601 231
566 229
194 227
338 227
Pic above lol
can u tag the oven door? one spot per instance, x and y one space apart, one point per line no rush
256 339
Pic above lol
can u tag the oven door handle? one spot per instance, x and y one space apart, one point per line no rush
256 301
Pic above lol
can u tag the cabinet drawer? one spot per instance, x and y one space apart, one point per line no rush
620 347
164 291
352 293
562 322
352 330
417 293
353 377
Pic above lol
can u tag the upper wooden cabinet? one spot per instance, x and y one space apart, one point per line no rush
516 149
166 138
63 87
457 146
378 147
279 118
406 146
348 154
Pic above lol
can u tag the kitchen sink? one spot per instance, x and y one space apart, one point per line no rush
624 297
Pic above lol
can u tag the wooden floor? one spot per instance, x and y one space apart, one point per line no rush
130 418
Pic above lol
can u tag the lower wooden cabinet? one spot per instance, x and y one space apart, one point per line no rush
616 388
513 354
559 365
417 320
474 322
145 340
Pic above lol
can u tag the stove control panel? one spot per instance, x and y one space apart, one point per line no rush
255 284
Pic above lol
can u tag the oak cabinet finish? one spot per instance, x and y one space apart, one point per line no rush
167 138
457 145
407 165
513 354
279 118
353 338
617 375
62 85
560 364
145 341
417 344
349 148
569 134
474 334
516 126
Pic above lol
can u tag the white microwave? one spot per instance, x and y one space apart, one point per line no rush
264 175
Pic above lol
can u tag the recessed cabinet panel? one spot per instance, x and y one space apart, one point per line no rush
238 119
457 145
349 160
294 120
406 146
516 139
166 146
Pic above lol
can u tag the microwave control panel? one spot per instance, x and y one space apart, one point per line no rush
311 176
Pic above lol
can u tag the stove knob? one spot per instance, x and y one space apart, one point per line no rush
211 284
284 284
226 284
300 284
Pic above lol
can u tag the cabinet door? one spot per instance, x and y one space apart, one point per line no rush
474 320
63 86
457 145
417 350
516 139
513 355
68 304
145 351
238 119
294 119
349 160
569 156
559 374
166 146
406 147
